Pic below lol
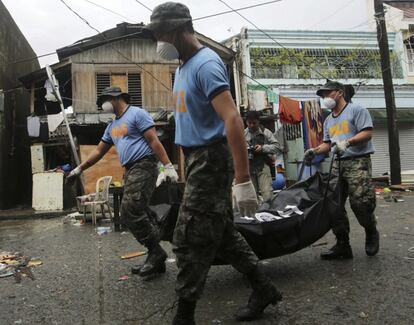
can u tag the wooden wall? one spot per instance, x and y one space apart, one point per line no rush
108 166
106 59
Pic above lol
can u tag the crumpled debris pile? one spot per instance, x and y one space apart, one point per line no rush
17 265
74 219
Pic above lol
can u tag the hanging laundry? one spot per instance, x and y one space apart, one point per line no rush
54 120
33 126
49 92
312 127
272 97
289 110
312 123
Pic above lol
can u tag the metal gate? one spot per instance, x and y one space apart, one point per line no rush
381 158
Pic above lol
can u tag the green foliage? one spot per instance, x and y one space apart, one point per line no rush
331 63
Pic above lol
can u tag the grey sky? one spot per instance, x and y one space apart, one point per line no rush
48 24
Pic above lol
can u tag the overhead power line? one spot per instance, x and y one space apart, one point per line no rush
238 9
144 5
332 14
269 36
137 33
119 52
33 57
109 10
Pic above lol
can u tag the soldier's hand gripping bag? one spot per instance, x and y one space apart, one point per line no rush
288 235
165 202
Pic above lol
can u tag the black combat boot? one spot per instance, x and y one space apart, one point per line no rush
155 262
185 312
264 293
136 269
342 249
371 240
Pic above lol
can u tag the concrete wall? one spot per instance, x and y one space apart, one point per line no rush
15 173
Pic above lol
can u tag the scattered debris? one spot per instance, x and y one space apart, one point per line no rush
386 190
72 218
363 315
6 271
103 230
132 255
216 321
387 198
35 262
78 223
18 265
123 278
21 271
403 233
410 254
170 260
398 198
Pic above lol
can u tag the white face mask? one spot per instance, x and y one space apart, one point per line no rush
329 102
107 107
167 51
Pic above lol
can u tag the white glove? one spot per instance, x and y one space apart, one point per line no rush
246 199
75 172
167 171
170 172
340 147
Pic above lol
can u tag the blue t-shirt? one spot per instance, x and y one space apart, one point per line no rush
196 83
352 120
127 134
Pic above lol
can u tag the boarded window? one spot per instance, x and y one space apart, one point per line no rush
120 80
130 83
135 89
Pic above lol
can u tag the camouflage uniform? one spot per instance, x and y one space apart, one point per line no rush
205 229
139 182
259 170
356 183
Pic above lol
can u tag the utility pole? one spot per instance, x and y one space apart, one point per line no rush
393 139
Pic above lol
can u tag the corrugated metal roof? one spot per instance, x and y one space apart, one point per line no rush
406 6
315 39
134 31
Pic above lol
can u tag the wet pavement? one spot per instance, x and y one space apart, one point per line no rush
78 282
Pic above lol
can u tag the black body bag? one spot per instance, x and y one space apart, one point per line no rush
318 197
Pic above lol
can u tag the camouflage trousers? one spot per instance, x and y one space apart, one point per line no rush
262 181
205 231
139 183
357 185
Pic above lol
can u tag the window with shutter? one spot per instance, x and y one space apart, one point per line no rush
130 83
135 89
103 80
172 79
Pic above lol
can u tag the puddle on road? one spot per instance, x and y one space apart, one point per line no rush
15 229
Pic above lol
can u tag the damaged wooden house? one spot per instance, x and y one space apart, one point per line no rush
124 56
